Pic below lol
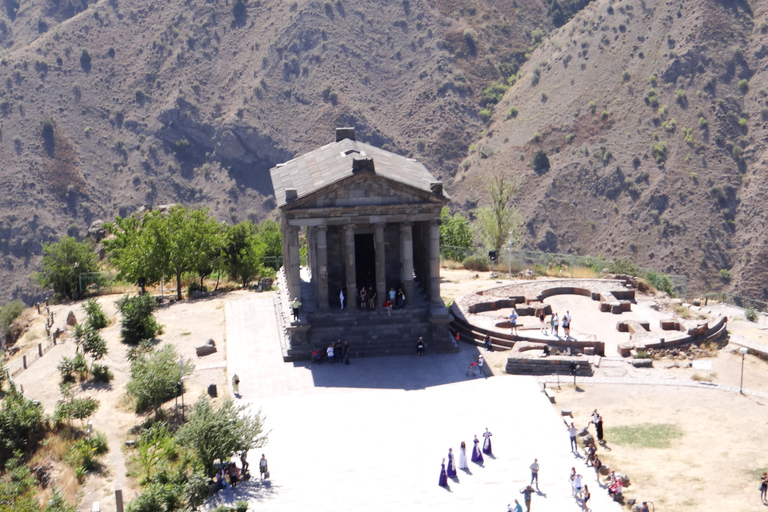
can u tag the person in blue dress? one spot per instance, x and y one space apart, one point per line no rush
477 456
443 476
451 464
487 443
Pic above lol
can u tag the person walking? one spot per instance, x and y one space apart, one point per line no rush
585 499
535 473
572 433
345 352
526 492
480 365
567 324
296 304
763 486
451 470
542 318
463 456
572 481
263 468
244 462
443 476
477 456
236 385
487 442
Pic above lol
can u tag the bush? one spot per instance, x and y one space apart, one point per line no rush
659 151
743 85
680 96
154 378
97 319
512 112
540 161
85 60
485 114
102 373
21 424
591 106
476 263
238 9
750 314
494 93
196 287
9 313
620 266
138 323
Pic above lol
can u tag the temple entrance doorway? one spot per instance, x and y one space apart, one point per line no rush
365 260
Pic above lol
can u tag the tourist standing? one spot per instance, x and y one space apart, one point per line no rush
463 456
572 481
585 499
552 324
535 473
513 321
420 346
244 462
556 325
542 321
487 441
330 351
477 456
296 304
480 365
599 426
345 352
572 433
567 324
400 298
371 298
236 385
392 295
763 486
443 476
451 464
363 298
577 485
263 469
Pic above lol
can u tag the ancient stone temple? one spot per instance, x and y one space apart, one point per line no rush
369 219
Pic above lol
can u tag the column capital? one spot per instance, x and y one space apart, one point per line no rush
379 225
348 227
406 224
321 227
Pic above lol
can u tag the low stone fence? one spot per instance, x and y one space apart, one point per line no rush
536 365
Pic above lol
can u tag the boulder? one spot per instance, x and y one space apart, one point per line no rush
208 348
97 230
588 440
212 391
71 318
624 478
642 363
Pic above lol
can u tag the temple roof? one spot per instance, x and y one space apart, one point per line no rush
333 162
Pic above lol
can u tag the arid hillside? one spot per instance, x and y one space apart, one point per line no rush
112 105
638 130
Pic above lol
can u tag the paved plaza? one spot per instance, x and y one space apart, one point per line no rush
371 436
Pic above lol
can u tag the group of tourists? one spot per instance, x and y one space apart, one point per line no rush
555 321
228 474
449 471
336 352
366 299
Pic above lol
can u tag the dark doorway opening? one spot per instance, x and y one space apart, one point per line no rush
365 261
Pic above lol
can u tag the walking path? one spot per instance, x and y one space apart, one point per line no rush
371 435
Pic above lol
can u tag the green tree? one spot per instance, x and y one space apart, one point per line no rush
96 316
218 433
243 252
455 235
70 408
138 323
21 424
540 161
90 341
272 238
156 444
154 378
500 222
63 262
163 244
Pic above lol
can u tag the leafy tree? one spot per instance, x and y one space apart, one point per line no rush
163 244
137 323
21 424
63 262
243 252
96 316
218 433
455 235
156 444
70 408
272 238
154 378
500 222
90 341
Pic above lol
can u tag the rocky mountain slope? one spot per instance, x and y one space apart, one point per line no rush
111 105
652 116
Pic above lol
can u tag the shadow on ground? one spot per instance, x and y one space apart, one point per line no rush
396 372
251 491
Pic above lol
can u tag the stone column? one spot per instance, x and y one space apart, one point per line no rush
349 250
294 263
406 258
321 267
381 278
434 263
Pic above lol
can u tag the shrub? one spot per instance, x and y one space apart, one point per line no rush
743 124
194 286
238 9
737 151
540 161
750 314
604 115
21 424
651 98
512 112
96 316
138 323
659 151
494 93
652 80
624 76
536 136
569 138
9 313
680 96
85 60
743 85
485 114
476 263
102 373
724 274
591 106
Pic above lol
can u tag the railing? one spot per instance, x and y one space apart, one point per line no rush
17 366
